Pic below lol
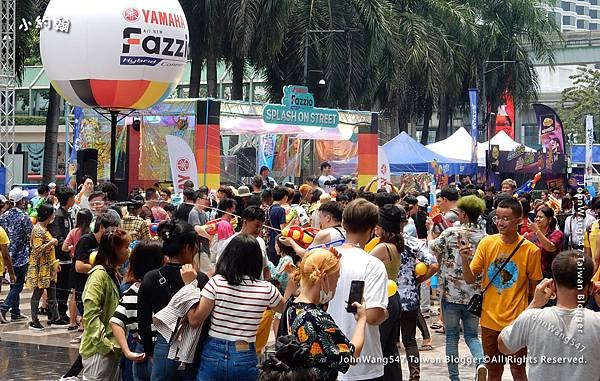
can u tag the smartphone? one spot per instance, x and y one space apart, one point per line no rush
357 287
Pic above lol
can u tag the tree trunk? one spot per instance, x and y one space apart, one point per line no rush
237 73
443 116
195 73
211 72
51 138
426 120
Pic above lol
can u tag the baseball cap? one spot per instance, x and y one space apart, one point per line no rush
2 198
17 194
52 185
422 201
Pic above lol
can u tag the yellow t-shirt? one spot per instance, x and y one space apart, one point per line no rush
3 241
589 241
507 297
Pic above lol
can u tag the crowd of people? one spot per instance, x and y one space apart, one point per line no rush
190 286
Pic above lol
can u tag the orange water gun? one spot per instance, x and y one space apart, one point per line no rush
303 236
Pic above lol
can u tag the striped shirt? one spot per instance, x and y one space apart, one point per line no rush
238 309
126 313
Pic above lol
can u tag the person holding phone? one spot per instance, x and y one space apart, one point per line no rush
544 234
330 349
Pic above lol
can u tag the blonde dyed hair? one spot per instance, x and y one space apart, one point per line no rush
315 265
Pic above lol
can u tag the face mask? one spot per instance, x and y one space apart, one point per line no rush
325 297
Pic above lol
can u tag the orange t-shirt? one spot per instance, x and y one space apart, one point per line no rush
507 297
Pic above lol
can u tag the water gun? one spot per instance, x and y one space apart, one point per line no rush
32 210
211 226
291 215
440 222
153 228
554 203
303 236
529 185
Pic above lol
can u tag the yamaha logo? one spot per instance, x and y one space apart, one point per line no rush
183 164
131 14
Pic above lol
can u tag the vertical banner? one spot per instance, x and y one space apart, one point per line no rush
266 150
383 169
368 142
551 129
72 163
473 106
208 143
504 122
589 141
183 162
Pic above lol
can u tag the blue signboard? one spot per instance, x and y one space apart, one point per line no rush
298 109
2 180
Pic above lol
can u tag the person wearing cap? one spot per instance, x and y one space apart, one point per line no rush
455 292
389 251
242 196
18 226
420 217
3 203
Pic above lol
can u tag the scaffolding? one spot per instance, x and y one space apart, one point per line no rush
7 87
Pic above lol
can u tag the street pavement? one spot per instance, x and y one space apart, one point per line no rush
45 356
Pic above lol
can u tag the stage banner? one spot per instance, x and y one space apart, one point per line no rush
474 132
551 129
519 161
266 150
589 141
183 162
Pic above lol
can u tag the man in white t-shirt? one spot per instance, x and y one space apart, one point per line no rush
326 178
562 340
359 220
253 219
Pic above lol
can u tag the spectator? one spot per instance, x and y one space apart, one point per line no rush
99 349
231 337
543 234
330 349
508 294
447 199
557 332
268 181
256 191
508 186
18 227
155 292
189 199
59 228
133 224
359 220
5 262
456 293
276 219
86 190
326 179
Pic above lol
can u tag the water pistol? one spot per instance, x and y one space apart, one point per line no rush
303 236
529 185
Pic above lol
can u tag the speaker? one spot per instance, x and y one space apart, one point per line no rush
87 164
246 161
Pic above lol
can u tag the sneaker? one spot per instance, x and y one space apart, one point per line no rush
57 323
73 328
69 378
36 326
76 340
18 317
3 317
481 373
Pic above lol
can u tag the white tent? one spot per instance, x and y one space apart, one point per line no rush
459 146
502 140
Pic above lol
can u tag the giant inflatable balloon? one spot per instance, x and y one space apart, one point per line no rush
114 54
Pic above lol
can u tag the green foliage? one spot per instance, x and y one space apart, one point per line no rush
579 100
26 120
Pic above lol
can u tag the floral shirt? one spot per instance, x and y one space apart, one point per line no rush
445 247
408 289
330 349
18 226
43 263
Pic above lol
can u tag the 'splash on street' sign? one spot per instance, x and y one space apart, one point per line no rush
297 108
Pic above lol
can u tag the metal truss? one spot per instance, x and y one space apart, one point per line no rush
7 87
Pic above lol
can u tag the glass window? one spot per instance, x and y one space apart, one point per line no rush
580 24
593 26
581 10
593 13
566 20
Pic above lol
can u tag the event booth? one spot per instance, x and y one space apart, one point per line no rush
405 154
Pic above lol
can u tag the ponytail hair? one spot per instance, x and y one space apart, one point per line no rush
176 235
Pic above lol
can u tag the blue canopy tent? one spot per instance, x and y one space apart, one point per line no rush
407 155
